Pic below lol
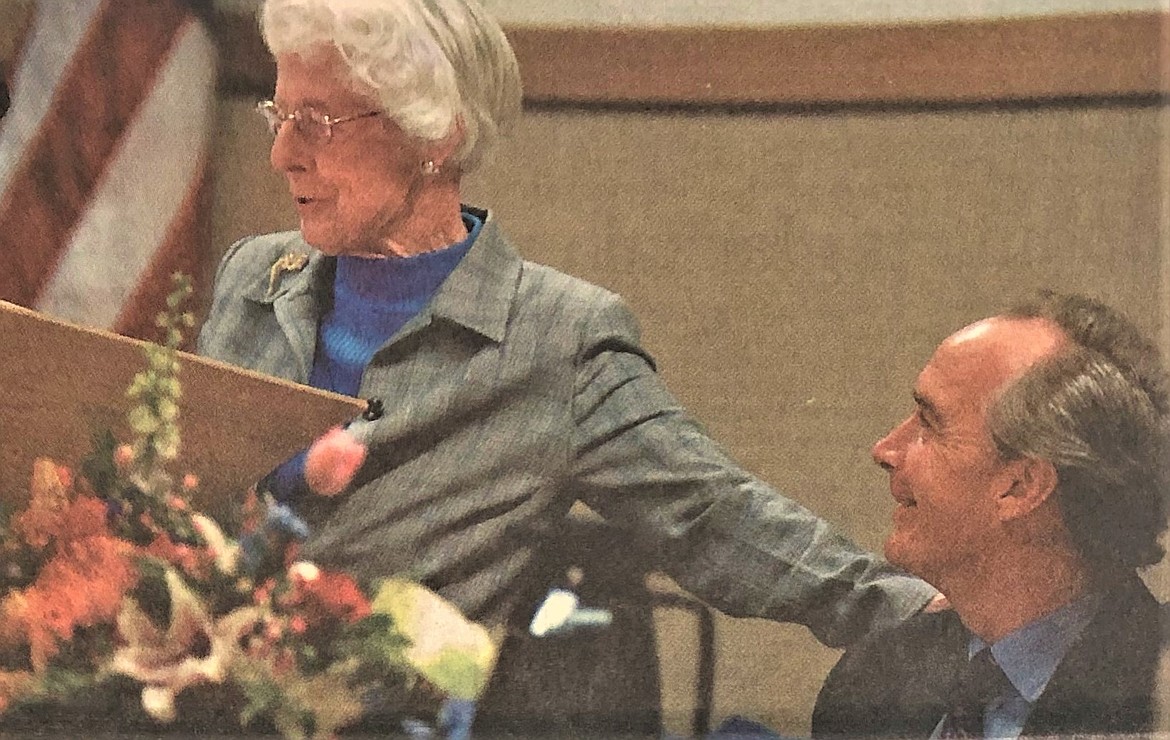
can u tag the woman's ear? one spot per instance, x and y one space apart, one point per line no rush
1031 484
441 151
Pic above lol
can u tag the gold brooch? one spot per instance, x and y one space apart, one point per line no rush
291 262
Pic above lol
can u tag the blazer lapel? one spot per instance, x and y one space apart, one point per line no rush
297 288
935 658
897 683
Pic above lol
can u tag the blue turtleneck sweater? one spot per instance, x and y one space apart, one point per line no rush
373 298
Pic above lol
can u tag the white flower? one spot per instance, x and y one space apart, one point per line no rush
227 555
159 703
163 660
303 571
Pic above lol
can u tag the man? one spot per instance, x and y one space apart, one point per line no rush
1031 483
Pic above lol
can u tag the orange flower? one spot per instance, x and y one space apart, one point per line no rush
262 592
328 595
62 520
195 561
123 457
85 575
47 496
81 585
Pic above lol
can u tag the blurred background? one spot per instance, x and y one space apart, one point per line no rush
799 199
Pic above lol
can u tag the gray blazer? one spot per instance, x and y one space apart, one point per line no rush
516 392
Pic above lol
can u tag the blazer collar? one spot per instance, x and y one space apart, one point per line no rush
478 293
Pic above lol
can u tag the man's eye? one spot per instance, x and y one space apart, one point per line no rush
923 421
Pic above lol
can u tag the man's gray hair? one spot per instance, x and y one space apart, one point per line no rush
433 64
1097 410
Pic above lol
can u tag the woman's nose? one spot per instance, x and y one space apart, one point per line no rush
288 152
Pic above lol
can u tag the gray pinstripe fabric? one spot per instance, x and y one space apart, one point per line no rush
516 392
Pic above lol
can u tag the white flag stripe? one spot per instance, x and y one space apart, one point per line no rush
151 172
56 33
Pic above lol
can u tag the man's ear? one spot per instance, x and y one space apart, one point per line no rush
1031 483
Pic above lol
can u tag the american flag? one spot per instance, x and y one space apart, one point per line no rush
104 158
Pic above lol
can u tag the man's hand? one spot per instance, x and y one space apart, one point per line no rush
938 604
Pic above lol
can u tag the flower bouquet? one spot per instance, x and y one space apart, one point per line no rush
119 599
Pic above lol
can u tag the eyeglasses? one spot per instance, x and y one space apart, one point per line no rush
312 125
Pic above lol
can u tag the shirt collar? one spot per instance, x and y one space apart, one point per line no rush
1029 655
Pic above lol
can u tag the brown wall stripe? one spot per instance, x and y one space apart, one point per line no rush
1075 56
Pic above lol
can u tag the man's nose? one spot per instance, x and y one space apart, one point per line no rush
887 452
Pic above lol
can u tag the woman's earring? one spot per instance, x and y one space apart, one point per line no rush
430 168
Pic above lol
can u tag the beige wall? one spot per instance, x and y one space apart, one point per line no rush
792 273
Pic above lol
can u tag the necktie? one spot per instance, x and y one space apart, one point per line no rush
977 685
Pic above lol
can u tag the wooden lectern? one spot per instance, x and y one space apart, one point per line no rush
60 384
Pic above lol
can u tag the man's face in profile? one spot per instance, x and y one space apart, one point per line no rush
945 473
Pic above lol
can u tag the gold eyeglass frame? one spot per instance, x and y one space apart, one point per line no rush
276 119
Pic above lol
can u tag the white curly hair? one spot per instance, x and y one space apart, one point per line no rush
432 64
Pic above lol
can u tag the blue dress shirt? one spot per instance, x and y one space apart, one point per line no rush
1029 656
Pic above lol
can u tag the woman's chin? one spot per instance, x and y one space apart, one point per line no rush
320 241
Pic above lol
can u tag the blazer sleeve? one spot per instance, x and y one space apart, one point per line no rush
894 684
645 465
223 317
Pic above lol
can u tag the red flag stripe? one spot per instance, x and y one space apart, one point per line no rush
147 179
176 253
67 156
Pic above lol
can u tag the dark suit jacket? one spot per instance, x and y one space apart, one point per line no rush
896 683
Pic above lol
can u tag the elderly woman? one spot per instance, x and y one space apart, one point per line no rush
507 390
